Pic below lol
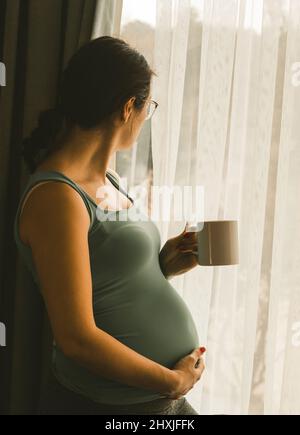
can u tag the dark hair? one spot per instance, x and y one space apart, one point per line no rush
98 80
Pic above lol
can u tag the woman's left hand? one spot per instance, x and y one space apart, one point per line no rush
177 256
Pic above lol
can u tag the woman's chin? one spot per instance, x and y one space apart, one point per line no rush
128 147
133 145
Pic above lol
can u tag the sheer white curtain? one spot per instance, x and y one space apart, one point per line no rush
228 89
107 18
228 121
108 22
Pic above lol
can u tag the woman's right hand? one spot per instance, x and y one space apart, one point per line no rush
187 374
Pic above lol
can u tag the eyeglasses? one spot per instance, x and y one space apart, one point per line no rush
152 106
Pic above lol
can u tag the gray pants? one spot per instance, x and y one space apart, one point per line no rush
58 400
162 406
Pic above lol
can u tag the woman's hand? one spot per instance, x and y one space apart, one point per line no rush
188 372
177 256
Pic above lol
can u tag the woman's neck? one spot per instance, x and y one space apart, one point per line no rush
83 156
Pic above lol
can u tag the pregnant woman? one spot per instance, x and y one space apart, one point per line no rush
124 340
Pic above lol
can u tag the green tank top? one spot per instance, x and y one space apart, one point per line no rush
132 299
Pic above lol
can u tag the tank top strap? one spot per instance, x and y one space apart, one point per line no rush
116 183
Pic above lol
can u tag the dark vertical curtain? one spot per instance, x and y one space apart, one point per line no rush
37 37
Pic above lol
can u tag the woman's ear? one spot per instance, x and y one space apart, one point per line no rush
128 109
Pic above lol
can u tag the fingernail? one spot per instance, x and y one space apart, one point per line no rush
197 363
202 349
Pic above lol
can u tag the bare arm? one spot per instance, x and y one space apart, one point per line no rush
57 222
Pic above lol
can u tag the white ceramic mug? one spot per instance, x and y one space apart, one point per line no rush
218 243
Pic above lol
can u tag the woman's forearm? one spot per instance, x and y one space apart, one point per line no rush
108 357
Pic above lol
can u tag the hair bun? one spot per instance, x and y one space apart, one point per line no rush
39 143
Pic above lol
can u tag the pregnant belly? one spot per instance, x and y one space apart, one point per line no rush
149 317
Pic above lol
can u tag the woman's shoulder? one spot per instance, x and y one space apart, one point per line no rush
46 206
